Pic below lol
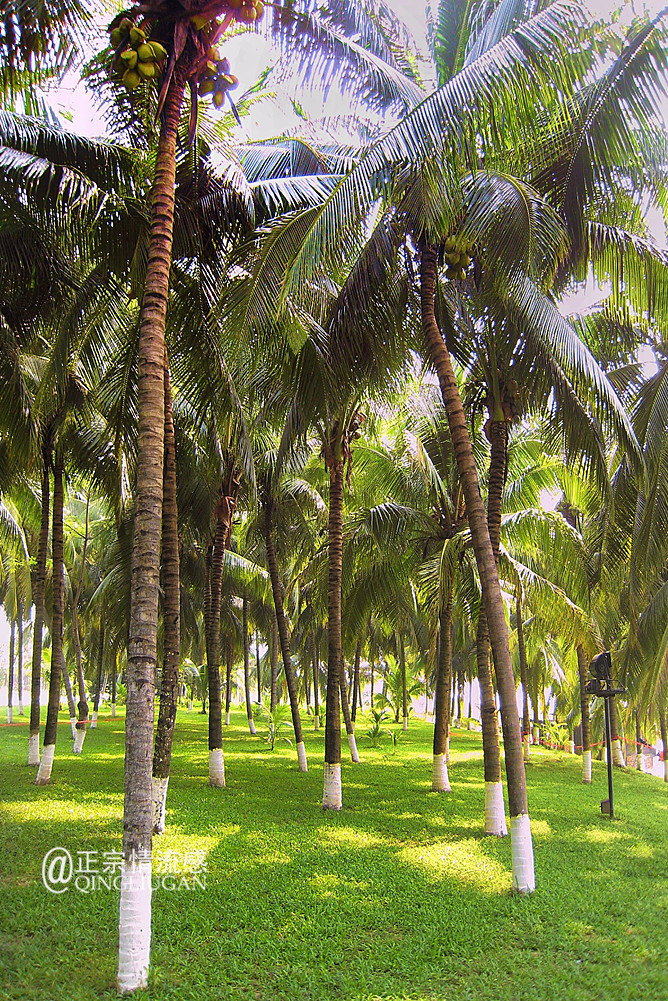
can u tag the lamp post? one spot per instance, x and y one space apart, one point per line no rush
602 685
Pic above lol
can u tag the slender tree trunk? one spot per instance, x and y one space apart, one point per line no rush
82 705
526 725
404 694
38 597
20 656
67 684
98 677
495 814
114 681
347 719
440 781
372 684
171 615
273 660
284 639
584 712
332 798
51 728
224 514
356 681
10 673
452 695
135 899
522 848
316 669
228 682
247 691
257 667
617 756
638 743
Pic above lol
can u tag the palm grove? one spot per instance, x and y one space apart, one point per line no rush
295 404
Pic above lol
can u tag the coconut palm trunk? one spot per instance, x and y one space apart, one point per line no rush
10 673
38 626
522 848
216 551
440 781
584 713
526 725
114 680
257 667
19 668
98 676
58 586
247 691
404 693
356 682
316 695
69 695
82 704
135 897
284 640
228 681
331 797
617 755
273 660
171 616
347 719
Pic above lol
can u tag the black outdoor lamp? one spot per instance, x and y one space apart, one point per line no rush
602 686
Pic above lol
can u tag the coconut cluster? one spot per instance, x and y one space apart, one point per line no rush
457 254
137 59
215 77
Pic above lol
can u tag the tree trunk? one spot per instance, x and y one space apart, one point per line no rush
228 682
495 814
356 681
584 712
522 849
440 781
58 585
135 899
38 597
664 735
20 656
273 652
332 799
257 668
316 696
10 674
404 694
247 691
638 743
617 756
82 705
69 694
171 616
98 677
347 720
373 680
526 725
114 681
284 639
215 553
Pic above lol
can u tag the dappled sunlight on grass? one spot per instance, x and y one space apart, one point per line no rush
350 837
463 861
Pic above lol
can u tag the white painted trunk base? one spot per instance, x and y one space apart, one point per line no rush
586 766
524 879
526 743
440 781
251 726
536 735
10 714
316 725
73 725
216 768
159 802
495 812
331 793
665 767
113 710
617 756
571 747
79 737
352 744
20 709
93 721
45 765
33 749
227 718
405 724
301 757
190 706
134 926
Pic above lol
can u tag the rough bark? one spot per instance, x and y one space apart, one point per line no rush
58 586
38 627
482 546
334 649
171 604
356 681
284 639
134 935
440 782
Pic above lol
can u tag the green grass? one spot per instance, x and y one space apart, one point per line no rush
397 897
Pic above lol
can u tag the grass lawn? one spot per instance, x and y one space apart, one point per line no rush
397 897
